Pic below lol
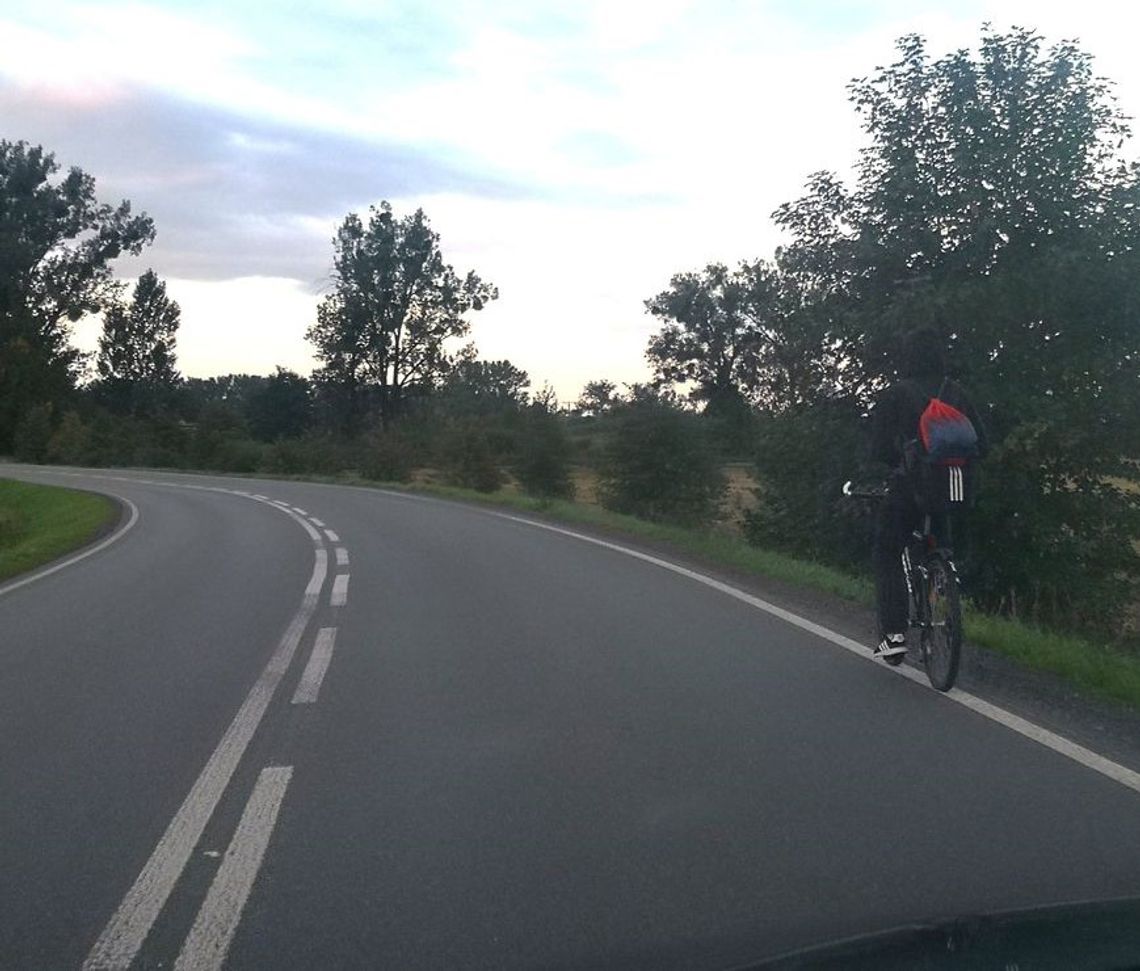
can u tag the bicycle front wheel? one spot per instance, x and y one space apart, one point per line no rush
942 625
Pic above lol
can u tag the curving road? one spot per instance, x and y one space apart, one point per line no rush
301 726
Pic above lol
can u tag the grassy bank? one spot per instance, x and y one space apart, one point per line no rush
1095 668
39 523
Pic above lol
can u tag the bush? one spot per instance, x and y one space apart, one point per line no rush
72 443
659 465
802 461
542 455
33 432
387 457
469 460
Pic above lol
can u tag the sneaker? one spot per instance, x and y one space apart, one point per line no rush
891 646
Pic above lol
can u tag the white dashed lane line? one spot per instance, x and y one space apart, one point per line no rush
341 556
333 538
209 939
316 522
339 595
314 673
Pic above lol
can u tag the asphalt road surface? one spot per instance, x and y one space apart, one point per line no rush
320 727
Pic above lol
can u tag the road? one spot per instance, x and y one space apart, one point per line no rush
321 727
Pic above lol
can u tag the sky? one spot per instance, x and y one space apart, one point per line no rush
575 154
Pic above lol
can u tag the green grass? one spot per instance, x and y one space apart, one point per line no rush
1090 666
40 523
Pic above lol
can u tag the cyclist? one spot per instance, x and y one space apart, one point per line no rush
894 437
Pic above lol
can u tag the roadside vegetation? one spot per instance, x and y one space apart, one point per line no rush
40 523
992 201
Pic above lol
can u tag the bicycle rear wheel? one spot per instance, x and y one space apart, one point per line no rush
942 625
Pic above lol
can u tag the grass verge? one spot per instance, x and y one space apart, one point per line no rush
39 523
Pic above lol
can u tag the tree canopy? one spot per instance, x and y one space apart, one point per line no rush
381 333
57 243
136 363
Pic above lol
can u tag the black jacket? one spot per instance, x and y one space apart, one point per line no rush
894 419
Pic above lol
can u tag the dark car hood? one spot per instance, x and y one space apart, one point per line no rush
1100 934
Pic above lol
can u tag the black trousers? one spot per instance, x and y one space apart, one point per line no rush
898 517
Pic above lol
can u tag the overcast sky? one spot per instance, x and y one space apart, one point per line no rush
576 154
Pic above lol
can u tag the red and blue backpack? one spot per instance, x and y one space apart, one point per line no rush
947 441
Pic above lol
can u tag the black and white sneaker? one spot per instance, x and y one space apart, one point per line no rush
892 647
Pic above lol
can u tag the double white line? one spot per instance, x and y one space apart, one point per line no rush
123 937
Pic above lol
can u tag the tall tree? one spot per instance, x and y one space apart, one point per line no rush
57 243
394 305
137 362
991 201
723 335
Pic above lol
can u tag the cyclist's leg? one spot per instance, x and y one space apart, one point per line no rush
896 520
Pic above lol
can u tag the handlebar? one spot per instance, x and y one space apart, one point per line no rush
851 492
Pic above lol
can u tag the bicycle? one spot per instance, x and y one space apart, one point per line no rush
935 607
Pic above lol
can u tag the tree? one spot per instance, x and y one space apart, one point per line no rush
394 305
136 362
991 202
597 398
715 332
484 387
544 449
57 243
281 407
658 464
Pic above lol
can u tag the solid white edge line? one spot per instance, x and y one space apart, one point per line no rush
341 556
63 564
339 595
209 939
1058 743
332 536
314 673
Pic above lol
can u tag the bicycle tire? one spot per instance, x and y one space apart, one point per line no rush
941 623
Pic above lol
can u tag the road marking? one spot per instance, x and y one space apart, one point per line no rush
317 580
117 535
1058 743
298 510
209 939
128 927
258 495
339 595
314 672
341 556
316 522
333 538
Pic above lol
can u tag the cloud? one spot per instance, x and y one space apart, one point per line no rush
231 196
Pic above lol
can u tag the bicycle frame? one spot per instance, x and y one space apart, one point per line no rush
913 571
